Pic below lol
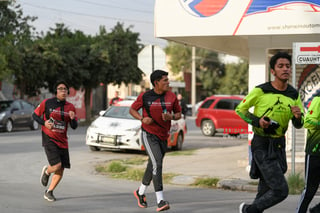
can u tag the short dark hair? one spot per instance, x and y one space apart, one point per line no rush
57 84
278 55
157 75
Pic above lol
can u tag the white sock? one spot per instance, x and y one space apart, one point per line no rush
142 189
159 195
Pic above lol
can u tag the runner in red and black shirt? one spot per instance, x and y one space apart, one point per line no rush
160 106
54 114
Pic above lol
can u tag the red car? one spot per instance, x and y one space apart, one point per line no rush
217 114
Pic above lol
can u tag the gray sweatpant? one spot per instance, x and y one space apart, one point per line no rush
156 150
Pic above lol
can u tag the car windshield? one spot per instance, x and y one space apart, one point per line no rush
118 112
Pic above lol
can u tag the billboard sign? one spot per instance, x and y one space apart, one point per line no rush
235 17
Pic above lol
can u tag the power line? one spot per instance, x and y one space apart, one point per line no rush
87 15
113 6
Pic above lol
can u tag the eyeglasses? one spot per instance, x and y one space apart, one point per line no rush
62 89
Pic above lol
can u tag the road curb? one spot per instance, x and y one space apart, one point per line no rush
228 184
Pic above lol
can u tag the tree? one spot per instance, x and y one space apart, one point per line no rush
123 48
85 61
236 79
179 57
15 33
208 65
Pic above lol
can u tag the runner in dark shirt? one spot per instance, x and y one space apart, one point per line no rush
54 114
160 106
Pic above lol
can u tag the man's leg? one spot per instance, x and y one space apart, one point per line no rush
312 177
273 178
57 176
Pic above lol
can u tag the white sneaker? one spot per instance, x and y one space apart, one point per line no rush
241 207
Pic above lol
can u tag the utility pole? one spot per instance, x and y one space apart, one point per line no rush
193 81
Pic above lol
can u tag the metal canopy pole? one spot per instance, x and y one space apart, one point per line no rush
293 130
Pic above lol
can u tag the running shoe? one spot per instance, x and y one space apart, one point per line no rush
44 178
142 202
48 195
242 208
163 205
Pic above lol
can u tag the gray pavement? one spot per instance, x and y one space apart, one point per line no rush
228 164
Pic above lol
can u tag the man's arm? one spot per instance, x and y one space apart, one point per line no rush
312 120
37 118
243 108
73 120
136 115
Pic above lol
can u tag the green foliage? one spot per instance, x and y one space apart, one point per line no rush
82 61
206 182
236 79
123 52
116 167
183 152
179 57
209 68
295 183
135 161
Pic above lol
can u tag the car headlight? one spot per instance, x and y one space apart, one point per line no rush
2 114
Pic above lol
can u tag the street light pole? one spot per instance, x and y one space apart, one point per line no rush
193 81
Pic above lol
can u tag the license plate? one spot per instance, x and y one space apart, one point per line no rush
107 139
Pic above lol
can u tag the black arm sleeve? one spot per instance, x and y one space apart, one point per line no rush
74 124
38 119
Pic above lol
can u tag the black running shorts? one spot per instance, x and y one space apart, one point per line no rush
56 155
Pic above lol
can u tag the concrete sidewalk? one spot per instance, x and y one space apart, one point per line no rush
229 164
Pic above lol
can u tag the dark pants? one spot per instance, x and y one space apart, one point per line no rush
269 159
312 178
156 150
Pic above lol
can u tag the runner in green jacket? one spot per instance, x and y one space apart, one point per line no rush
275 104
312 157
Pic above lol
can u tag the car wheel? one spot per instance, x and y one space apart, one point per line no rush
208 128
94 148
34 125
178 146
9 125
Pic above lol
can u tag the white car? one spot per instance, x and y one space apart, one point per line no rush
116 129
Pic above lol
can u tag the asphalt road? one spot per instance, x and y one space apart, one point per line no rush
82 190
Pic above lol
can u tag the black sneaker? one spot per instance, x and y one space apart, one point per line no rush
44 178
315 209
48 195
142 202
163 205
242 208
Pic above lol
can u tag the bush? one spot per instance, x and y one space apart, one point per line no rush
206 182
116 167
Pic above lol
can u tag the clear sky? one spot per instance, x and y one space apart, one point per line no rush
88 15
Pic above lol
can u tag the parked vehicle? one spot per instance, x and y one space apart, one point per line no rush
217 114
196 107
16 113
116 129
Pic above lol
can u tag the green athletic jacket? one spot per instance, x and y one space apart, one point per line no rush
270 102
312 123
